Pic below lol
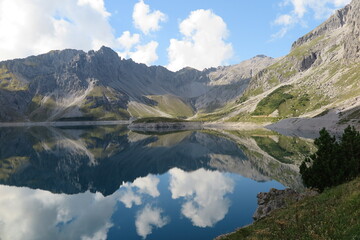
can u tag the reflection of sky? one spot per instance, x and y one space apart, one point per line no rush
204 192
36 214
151 207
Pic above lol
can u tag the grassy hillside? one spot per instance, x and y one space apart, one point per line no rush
333 215
165 106
104 104
9 82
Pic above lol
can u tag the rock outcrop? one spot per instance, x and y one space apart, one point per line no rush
275 199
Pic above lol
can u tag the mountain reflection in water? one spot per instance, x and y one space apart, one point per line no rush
109 183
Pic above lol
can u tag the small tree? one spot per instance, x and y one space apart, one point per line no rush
333 163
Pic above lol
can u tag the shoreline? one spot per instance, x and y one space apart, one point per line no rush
64 123
300 127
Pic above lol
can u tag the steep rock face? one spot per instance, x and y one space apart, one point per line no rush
348 18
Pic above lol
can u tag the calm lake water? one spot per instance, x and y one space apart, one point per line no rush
109 183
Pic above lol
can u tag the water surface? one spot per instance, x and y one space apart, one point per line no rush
105 182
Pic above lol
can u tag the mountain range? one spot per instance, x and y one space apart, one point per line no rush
318 79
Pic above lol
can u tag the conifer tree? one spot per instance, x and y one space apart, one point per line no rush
334 162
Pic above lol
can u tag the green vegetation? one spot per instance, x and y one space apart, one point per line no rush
101 113
109 111
332 215
348 83
281 69
9 82
173 106
170 139
216 115
158 120
305 49
10 165
296 105
334 162
334 48
165 104
249 93
41 108
289 101
272 102
285 149
350 78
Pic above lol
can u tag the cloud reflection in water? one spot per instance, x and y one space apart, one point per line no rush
204 191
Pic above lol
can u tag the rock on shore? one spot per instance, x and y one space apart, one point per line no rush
275 199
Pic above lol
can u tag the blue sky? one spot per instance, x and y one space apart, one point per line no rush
176 33
250 24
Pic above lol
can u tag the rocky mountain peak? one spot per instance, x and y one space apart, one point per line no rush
108 52
347 16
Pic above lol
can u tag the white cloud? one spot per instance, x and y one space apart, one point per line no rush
131 193
148 218
127 41
40 26
148 185
33 27
321 9
98 5
204 192
145 53
24 213
145 20
203 44
285 19
128 197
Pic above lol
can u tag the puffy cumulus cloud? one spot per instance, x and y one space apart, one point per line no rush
128 40
145 53
204 191
320 8
203 44
148 218
34 27
98 5
145 20
130 48
24 213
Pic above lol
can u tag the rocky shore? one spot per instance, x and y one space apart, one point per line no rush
275 199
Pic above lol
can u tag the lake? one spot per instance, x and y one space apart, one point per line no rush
106 182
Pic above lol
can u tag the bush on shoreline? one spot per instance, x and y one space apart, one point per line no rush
335 162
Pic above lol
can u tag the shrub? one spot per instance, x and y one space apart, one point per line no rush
335 162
